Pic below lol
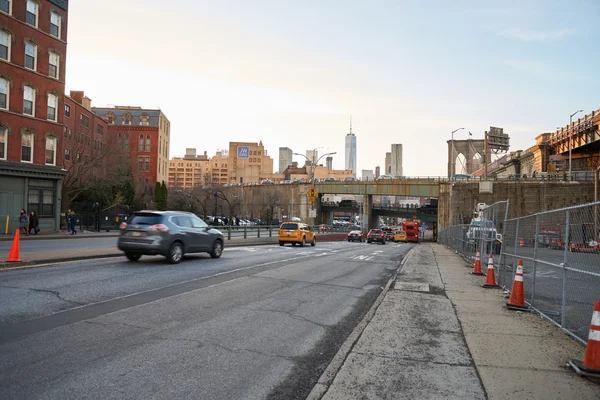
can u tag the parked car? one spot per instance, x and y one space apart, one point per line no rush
376 235
355 236
384 177
400 236
389 235
296 233
350 179
168 233
267 182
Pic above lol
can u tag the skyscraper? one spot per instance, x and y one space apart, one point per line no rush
329 162
388 164
285 158
312 155
351 150
396 162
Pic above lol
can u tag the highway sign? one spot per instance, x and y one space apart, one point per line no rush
312 193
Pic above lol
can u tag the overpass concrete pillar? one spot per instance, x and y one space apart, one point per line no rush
368 218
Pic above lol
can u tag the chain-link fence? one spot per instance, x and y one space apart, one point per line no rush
485 233
561 257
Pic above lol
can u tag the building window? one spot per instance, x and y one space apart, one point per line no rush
119 141
54 63
41 197
144 119
27 147
4 45
110 117
126 143
5 6
29 100
50 151
85 120
31 17
3 140
143 164
52 106
4 93
141 143
148 143
67 155
30 55
67 111
55 24
126 119
100 130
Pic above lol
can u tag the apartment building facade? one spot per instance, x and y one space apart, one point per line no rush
33 48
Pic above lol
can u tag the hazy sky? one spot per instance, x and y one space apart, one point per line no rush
291 73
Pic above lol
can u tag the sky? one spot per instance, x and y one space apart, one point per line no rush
292 74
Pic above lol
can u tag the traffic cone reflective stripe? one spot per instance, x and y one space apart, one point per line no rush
490 278
591 359
592 351
15 249
517 295
477 265
521 242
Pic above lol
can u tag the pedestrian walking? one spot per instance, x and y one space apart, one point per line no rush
24 222
68 219
34 223
74 221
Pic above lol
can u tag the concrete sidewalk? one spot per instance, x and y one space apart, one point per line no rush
60 235
439 334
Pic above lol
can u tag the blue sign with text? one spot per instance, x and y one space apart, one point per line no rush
243 151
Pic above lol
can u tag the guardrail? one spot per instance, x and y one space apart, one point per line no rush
561 258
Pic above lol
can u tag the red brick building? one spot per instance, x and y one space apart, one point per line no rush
144 135
86 141
33 49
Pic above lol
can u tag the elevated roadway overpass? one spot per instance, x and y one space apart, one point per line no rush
416 187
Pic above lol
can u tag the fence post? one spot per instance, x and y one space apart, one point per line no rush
565 263
245 231
501 261
229 232
535 249
258 230
270 230
514 265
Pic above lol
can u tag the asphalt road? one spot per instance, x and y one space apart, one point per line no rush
260 322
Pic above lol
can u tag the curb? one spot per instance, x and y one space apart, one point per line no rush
5 266
327 377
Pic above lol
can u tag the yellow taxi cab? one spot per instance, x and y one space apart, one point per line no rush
296 233
400 236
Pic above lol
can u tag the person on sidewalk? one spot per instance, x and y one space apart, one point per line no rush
74 221
24 222
68 219
34 223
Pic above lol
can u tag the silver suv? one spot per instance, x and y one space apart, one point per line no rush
170 234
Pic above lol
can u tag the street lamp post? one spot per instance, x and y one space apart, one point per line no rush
453 152
570 141
313 162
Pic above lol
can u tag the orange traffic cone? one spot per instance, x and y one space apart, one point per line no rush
490 278
477 265
521 242
591 360
517 295
13 256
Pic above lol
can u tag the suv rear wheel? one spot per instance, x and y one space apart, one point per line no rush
314 242
175 253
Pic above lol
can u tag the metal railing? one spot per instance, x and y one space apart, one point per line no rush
561 257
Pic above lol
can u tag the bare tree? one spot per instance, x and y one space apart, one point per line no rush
88 167
271 201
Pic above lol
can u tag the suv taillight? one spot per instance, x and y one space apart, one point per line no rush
160 227
123 225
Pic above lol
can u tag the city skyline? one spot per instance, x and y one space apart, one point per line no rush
263 76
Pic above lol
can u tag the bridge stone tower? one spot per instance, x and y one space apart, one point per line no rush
472 150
